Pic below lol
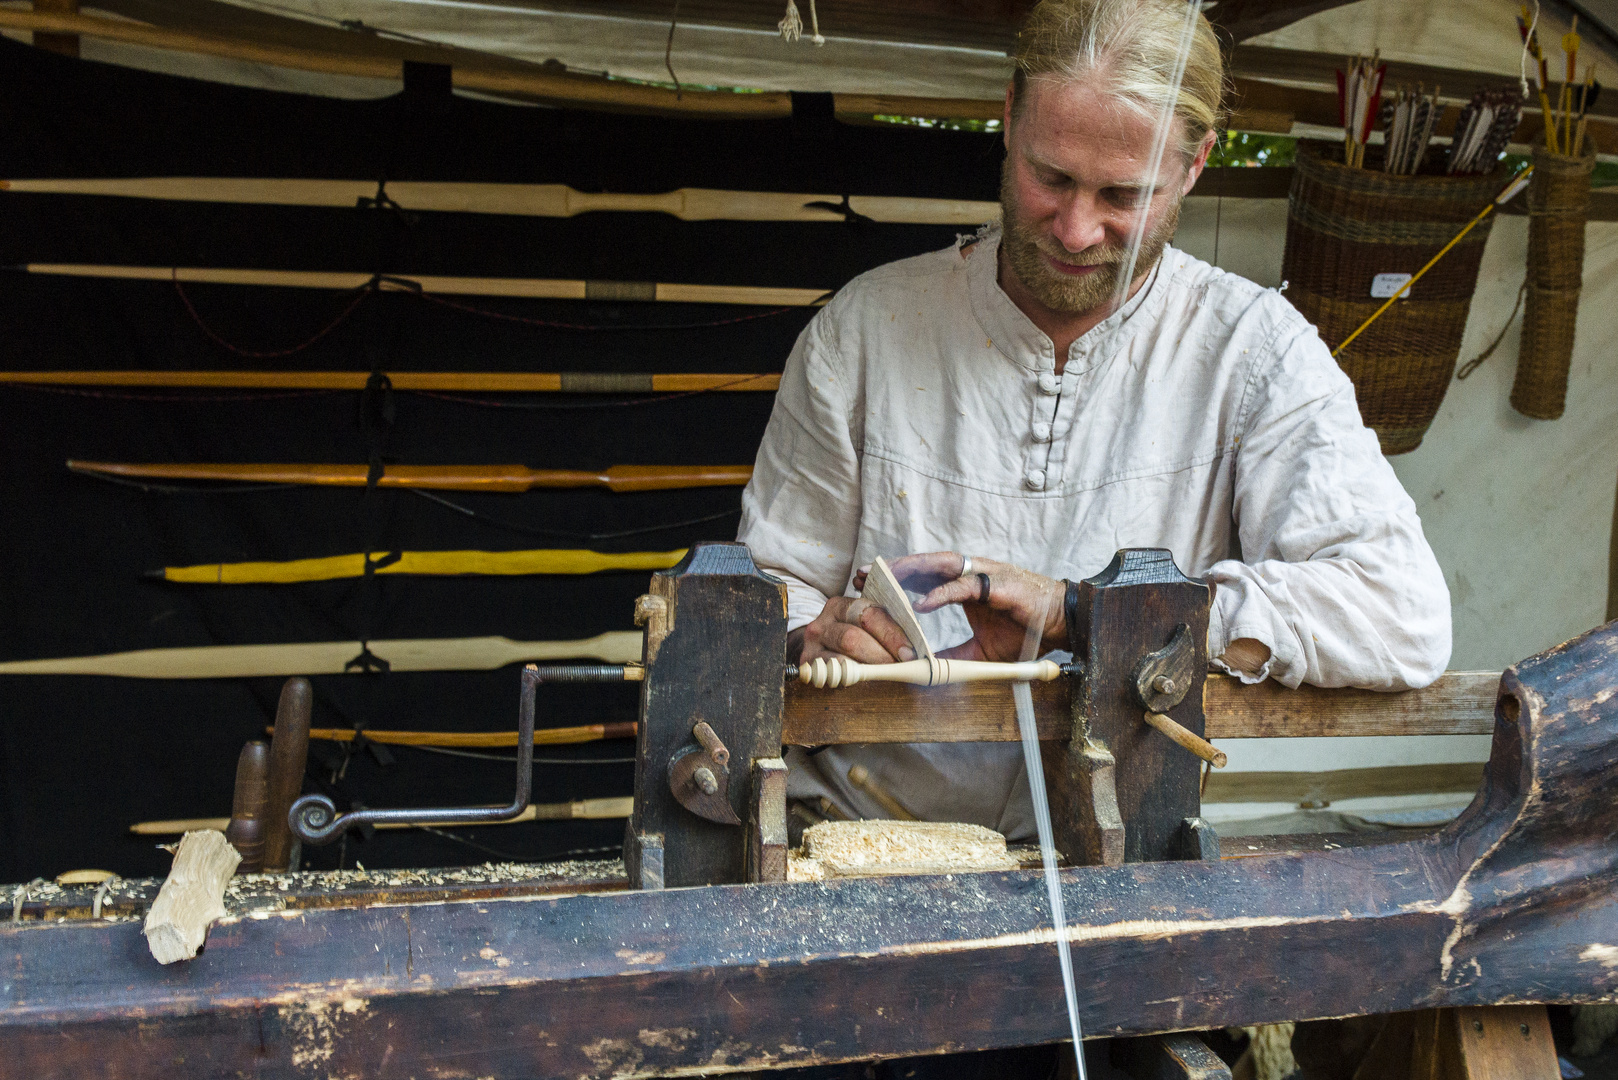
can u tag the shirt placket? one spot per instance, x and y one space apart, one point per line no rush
1038 473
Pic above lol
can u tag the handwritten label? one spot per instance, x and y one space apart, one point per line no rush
1386 285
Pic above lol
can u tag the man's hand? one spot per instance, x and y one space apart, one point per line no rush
1018 598
851 628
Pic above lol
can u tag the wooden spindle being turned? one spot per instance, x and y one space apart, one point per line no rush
246 829
1193 742
837 671
289 757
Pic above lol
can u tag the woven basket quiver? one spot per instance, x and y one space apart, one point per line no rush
1344 227
1558 201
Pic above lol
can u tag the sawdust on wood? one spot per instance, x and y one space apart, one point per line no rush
837 849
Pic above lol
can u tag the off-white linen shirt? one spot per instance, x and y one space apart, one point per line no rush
921 411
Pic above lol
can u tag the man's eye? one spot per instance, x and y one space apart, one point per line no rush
1051 180
1128 197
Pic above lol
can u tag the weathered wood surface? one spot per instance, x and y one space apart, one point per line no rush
1458 703
1125 625
720 661
1514 901
1333 785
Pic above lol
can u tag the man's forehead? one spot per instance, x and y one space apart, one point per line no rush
1080 128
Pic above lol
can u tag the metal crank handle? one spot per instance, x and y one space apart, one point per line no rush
314 818
837 671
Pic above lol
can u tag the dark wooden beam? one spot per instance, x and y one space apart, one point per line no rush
1238 20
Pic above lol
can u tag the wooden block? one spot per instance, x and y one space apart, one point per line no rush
1168 1057
1506 1042
1135 607
884 590
767 822
1196 840
838 849
192 896
643 859
720 661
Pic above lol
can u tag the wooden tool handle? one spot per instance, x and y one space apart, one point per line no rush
289 758
840 672
246 829
1188 739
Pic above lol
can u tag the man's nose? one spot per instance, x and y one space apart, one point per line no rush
1080 223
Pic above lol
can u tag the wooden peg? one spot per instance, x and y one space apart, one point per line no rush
861 777
1188 739
289 757
246 829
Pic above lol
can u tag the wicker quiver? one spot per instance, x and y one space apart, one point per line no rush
1558 202
1344 227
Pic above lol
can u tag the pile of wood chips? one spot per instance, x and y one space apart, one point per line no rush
840 849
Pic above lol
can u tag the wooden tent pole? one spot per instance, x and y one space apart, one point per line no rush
558 89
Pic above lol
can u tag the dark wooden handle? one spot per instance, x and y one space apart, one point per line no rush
289 757
246 829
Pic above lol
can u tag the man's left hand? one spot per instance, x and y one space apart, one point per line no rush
1018 599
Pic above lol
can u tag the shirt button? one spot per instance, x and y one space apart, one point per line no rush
1042 431
1048 383
1035 479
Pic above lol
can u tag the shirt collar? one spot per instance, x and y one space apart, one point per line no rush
1025 344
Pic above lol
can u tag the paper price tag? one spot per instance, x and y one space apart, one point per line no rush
1386 285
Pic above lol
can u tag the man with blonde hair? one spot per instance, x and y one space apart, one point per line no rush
1001 415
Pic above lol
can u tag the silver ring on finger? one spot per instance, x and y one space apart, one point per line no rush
983 588
966 566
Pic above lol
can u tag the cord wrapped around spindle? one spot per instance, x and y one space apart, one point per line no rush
1558 203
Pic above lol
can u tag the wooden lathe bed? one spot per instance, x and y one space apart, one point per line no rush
694 955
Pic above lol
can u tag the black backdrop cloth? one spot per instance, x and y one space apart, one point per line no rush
83 757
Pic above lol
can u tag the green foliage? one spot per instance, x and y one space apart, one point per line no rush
959 124
1239 149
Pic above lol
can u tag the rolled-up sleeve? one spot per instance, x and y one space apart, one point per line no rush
801 510
1335 575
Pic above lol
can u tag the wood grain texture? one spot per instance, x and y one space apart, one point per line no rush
719 663
1457 703
288 762
1334 785
1503 904
192 896
884 590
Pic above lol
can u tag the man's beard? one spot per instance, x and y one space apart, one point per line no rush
1026 246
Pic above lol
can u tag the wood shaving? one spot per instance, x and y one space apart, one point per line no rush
836 849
